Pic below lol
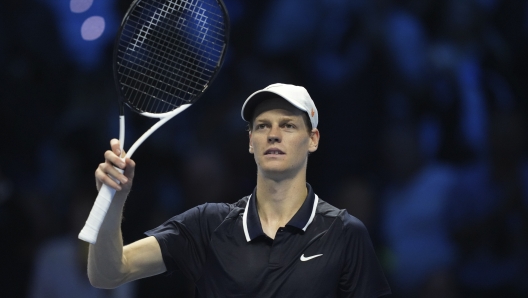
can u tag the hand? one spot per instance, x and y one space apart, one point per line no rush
106 172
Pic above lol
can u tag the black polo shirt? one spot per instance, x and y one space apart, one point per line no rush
321 252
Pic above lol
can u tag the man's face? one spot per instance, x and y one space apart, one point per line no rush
279 139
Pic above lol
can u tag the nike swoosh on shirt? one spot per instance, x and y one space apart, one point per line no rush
304 259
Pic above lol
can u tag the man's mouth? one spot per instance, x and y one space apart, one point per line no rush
273 151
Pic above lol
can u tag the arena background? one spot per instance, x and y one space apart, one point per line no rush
422 106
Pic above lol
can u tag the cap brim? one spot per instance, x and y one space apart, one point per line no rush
256 98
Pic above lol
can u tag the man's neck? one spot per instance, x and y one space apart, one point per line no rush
278 201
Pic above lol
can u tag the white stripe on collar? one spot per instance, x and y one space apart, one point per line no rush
244 220
314 208
244 217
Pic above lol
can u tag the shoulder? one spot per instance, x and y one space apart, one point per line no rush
214 210
240 204
346 221
202 218
326 209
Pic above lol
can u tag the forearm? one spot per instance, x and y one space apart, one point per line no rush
106 264
110 264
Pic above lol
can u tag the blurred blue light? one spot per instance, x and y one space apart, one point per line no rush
93 28
80 6
87 28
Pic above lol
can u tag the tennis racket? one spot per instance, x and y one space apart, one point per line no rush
166 54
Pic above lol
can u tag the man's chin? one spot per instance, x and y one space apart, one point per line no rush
277 173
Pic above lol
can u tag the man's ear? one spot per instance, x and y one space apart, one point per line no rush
314 140
250 144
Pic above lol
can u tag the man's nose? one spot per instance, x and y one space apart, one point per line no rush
274 135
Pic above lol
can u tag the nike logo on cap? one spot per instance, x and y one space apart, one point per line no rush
304 259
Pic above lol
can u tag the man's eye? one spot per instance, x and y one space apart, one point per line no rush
261 126
289 126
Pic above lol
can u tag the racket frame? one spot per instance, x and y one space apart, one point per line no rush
90 231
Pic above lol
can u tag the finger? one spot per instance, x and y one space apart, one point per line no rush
98 182
116 173
103 177
116 147
114 160
130 168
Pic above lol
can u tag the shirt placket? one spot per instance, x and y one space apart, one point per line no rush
277 248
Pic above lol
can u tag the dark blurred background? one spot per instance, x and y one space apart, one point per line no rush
423 109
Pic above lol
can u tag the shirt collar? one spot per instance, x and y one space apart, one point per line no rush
301 220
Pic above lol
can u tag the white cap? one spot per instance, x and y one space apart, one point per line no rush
296 95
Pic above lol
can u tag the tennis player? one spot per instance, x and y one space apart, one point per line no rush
280 241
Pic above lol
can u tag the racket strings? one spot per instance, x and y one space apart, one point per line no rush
165 61
168 51
163 34
160 41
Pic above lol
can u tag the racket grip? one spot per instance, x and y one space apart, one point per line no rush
95 219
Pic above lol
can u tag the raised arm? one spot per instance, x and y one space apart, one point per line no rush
109 263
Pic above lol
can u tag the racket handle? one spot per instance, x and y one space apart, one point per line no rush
97 215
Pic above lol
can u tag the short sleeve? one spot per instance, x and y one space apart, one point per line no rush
362 275
184 239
